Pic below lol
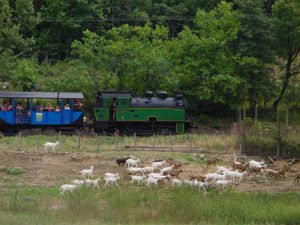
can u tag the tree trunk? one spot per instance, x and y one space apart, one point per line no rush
285 84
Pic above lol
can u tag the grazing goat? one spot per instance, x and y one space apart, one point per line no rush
122 161
51 145
176 182
188 182
238 166
132 162
67 187
110 180
158 165
174 173
199 184
222 183
235 174
272 173
137 178
93 182
166 169
78 182
151 181
148 169
221 169
210 176
113 175
135 170
199 177
88 172
210 162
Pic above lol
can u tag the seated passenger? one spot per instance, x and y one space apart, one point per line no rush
49 108
40 108
8 107
67 107
57 109
19 107
77 104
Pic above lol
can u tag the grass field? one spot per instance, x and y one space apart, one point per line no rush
147 206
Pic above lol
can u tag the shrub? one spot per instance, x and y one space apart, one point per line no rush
13 171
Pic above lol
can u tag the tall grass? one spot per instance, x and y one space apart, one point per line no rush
107 143
153 206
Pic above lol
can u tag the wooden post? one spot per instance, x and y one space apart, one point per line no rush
171 141
78 134
19 140
97 142
153 141
286 116
255 113
278 133
239 117
135 140
244 128
190 140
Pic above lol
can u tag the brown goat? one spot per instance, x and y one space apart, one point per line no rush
296 176
238 166
174 173
255 170
199 177
211 162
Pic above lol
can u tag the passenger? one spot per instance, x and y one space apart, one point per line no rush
8 107
18 113
67 107
77 104
57 109
49 108
40 108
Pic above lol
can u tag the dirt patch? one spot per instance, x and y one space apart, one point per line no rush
51 169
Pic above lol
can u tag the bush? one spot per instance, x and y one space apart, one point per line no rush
13 171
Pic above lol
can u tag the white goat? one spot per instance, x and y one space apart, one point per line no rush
148 169
188 182
110 180
88 172
219 177
158 165
93 182
134 170
221 169
177 182
151 181
67 187
211 176
199 184
253 163
132 162
113 175
222 183
51 145
138 179
78 182
166 169
235 174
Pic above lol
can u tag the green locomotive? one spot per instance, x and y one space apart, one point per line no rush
119 111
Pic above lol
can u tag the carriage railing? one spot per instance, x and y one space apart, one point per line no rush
22 117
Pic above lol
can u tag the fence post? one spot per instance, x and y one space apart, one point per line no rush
190 140
153 141
171 141
19 140
286 116
97 142
278 133
255 113
244 128
135 140
78 134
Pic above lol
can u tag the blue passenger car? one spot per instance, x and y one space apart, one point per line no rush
14 116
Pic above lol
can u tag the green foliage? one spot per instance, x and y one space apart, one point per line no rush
13 171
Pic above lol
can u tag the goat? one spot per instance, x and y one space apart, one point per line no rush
122 161
166 169
132 162
221 169
135 170
188 182
158 165
67 187
199 184
88 172
151 181
235 174
199 177
176 182
148 169
255 170
211 162
78 182
93 182
210 176
113 175
296 176
238 166
222 183
253 163
174 173
51 145
110 180
137 178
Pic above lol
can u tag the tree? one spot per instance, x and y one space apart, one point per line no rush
286 14
204 61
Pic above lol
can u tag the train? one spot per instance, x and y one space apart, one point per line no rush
113 111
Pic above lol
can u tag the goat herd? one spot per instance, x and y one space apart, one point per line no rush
162 171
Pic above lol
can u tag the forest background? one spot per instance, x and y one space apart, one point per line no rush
219 54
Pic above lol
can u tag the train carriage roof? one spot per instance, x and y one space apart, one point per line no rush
46 95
